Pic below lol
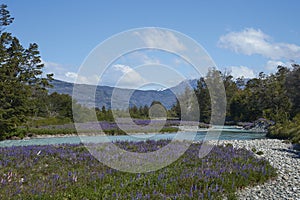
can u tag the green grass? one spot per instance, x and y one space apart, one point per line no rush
23 132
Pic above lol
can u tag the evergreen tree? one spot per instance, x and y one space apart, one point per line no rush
20 73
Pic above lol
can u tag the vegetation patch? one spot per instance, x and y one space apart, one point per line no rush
289 130
71 172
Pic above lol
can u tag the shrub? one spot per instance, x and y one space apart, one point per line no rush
288 130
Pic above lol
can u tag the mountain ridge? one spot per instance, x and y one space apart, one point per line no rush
103 93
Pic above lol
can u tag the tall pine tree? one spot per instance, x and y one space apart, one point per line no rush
20 78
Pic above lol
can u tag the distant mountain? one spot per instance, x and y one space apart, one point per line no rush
180 88
103 94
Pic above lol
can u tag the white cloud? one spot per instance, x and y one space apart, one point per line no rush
144 58
272 65
251 41
80 79
52 67
161 39
240 71
72 75
60 71
51 64
141 57
66 73
130 78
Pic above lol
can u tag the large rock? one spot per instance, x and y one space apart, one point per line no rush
260 125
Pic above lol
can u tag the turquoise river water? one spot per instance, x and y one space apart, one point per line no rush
228 133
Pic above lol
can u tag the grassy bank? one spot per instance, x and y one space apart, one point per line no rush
32 132
100 127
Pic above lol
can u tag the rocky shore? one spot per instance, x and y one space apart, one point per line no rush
283 158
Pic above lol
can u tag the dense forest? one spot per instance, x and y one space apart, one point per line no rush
274 97
25 101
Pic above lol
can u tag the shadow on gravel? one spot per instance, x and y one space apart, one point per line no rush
295 153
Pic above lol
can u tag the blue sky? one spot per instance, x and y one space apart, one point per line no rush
244 37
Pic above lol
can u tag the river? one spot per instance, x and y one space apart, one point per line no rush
228 133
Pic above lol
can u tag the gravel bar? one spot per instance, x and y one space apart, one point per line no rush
283 158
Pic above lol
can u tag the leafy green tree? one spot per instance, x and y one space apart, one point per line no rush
145 111
60 105
256 99
157 110
215 82
134 111
21 77
188 105
278 104
231 89
265 96
203 97
292 86
103 110
175 111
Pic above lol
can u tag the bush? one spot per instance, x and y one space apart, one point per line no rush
37 122
288 131
169 130
44 131
229 145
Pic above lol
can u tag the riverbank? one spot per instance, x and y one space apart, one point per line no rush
33 133
100 138
170 129
283 158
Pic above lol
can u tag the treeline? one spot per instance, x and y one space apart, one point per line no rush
54 109
155 110
274 97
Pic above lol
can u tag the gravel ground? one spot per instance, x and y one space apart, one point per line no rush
284 159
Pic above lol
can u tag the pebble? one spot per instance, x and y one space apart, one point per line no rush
282 157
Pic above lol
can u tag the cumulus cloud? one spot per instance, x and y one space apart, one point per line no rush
52 67
272 65
240 71
251 41
66 73
161 39
141 57
72 75
130 78
60 71
80 79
